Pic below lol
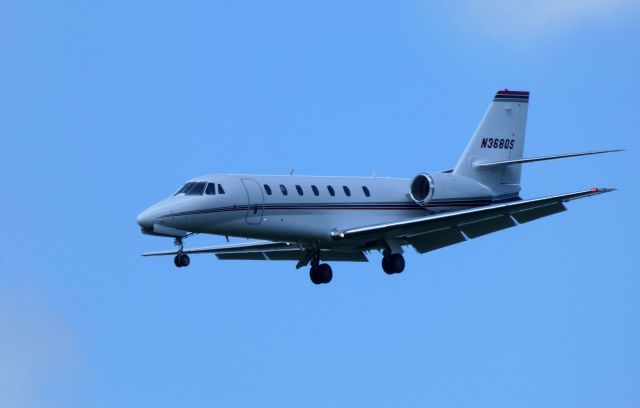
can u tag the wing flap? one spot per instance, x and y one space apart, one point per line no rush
247 256
436 239
284 255
294 255
355 256
487 226
325 255
538 212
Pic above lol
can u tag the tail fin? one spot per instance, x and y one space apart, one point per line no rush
499 137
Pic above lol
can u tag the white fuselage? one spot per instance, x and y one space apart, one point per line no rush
313 220
295 208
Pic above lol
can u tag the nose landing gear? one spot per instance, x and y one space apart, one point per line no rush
181 259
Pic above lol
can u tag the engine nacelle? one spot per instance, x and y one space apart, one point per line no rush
427 187
422 188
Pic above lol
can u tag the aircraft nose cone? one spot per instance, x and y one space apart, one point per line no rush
145 219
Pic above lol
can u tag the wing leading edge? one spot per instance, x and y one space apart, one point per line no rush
437 231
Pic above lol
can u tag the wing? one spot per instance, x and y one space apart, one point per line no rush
248 247
437 231
268 250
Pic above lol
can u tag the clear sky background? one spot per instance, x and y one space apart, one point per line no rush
107 107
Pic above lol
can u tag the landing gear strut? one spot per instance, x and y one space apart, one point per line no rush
181 259
319 273
393 263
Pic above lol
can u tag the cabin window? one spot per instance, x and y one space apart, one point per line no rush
283 189
366 191
299 190
267 189
347 191
196 189
331 191
220 189
315 190
211 189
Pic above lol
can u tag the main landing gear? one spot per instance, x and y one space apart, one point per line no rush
181 259
393 263
319 273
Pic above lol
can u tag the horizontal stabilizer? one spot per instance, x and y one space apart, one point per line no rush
541 158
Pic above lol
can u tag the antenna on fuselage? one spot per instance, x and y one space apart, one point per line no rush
292 172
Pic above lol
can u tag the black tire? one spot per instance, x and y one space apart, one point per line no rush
176 261
386 265
325 272
314 275
184 260
396 261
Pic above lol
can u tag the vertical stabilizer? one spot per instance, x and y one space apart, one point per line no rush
499 136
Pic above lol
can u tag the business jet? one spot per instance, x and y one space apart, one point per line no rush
315 220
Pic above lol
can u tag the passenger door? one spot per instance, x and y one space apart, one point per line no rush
255 200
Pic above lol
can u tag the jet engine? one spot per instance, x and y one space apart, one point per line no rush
427 187
422 188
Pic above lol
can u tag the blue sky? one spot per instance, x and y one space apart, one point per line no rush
106 108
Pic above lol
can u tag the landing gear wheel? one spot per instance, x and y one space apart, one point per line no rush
314 274
397 263
393 263
321 274
181 260
386 267
325 272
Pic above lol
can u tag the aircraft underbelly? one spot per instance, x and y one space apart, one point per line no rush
294 226
307 226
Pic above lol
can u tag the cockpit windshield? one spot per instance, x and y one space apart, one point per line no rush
184 188
193 188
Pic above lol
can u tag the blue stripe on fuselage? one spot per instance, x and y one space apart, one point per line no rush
383 206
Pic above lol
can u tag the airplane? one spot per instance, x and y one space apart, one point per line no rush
314 220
